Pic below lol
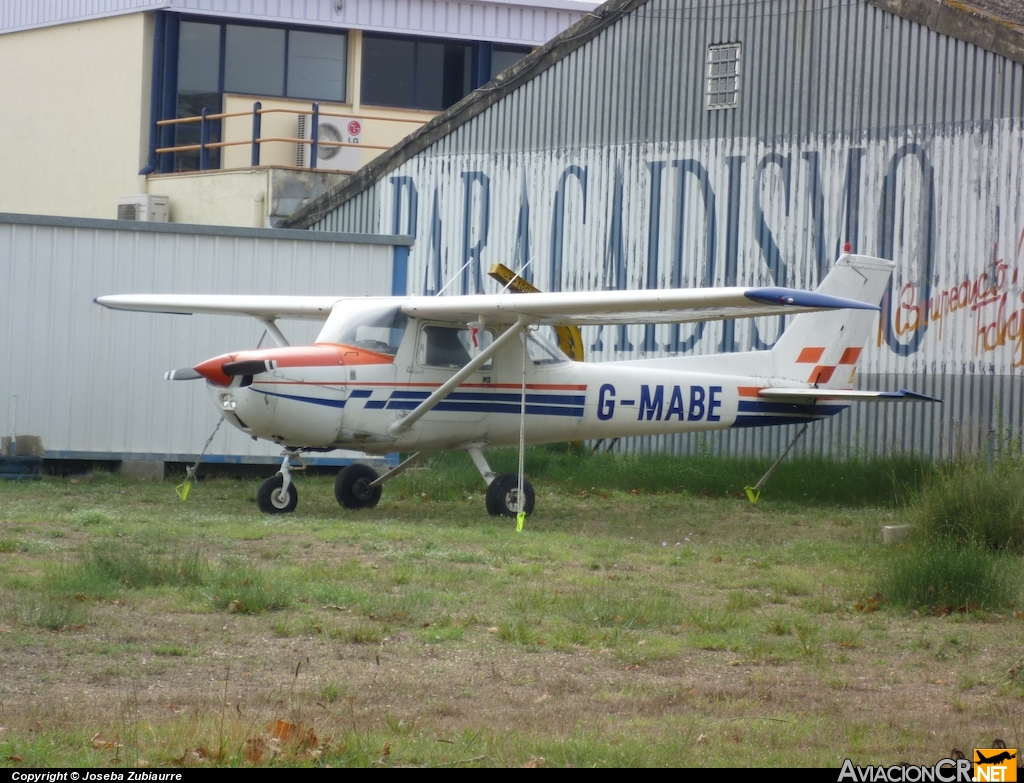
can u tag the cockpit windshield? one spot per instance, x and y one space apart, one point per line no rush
375 329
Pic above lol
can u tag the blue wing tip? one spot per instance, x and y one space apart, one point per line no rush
907 394
792 297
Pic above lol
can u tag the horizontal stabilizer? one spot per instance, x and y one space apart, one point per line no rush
813 395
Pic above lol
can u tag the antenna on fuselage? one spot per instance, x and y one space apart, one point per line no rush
455 277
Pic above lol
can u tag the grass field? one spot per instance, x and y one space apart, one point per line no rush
627 624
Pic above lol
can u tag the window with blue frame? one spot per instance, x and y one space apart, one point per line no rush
504 57
216 58
411 73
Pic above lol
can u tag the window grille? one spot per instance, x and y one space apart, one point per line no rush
723 82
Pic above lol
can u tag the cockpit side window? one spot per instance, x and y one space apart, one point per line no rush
543 348
450 347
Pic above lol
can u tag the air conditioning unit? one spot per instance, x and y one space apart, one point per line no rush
328 158
143 207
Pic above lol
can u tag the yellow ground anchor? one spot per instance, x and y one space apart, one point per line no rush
754 492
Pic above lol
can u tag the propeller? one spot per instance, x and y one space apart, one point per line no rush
184 374
250 367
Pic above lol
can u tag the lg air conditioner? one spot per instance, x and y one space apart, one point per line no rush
330 158
143 207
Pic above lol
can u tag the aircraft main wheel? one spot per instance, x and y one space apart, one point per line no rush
352 487
271 500
503 495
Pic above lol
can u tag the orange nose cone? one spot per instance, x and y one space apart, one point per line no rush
212 370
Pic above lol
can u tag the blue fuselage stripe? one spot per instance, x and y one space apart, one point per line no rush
313 400
748 406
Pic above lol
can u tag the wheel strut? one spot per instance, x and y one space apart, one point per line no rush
287 467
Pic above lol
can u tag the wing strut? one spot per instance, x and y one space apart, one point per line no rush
452 383
271 326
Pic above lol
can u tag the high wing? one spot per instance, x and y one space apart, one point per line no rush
674 305
260 307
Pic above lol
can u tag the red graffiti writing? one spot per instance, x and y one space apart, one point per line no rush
994 297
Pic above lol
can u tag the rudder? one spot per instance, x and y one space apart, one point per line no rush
823 348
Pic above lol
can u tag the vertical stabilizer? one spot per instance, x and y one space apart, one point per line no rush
823 348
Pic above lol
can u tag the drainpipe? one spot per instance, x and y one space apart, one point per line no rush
154 92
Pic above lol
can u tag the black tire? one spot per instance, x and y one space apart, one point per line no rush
270 500
502 495
352 487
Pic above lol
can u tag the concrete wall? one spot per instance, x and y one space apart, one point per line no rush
75 102
260 198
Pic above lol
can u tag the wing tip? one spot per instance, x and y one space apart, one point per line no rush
793 297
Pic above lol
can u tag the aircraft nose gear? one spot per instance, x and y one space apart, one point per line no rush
278 495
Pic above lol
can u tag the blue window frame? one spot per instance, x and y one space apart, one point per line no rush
417 73
205 58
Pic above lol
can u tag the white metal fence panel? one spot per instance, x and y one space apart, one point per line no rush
89 381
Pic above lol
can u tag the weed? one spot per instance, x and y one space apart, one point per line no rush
331 691
517 631
91 517
11 545
943 575
113 564
242 588
807 480
364 633
170 650
974 501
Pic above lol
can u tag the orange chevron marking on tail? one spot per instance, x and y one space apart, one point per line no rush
810 356
850 356
821 374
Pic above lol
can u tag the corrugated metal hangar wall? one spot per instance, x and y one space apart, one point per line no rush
89 381
604 168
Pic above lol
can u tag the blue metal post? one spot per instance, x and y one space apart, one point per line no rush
155 93
204 139
169 91
256 133
315 136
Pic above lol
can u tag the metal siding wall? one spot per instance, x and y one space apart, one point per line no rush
445 18
27 14
944 201
91 380
816 66
852 124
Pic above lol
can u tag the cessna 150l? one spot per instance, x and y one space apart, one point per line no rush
421 374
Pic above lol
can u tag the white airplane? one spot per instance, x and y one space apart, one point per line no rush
422 374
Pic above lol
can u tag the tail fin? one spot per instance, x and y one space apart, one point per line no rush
823 348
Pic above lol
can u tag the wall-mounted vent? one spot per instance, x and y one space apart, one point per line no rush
723 82
143 207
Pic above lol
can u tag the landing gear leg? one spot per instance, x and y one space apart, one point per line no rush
278 495
502 491
359 486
